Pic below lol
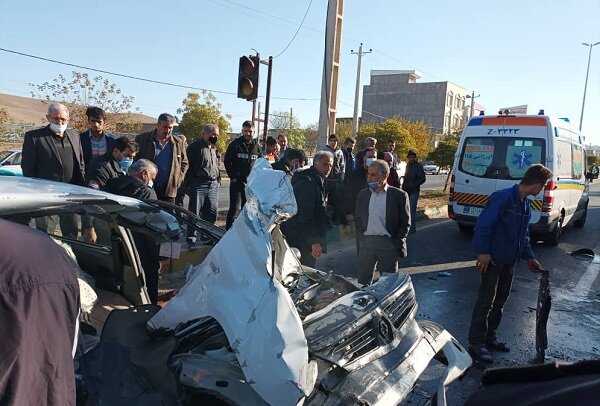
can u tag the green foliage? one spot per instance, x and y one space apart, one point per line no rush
591 159
199 110
443 155
82 91
283 123
409 135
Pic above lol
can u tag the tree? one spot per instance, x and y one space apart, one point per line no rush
198 110
443 155
82 91
408 135
3 119
285 124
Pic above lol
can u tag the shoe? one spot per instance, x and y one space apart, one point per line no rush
496 345
480 353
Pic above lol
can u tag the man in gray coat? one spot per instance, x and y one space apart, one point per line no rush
382 222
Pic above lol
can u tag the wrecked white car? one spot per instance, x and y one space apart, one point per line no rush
250 326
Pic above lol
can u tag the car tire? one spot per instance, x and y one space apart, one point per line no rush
580 222
551 238
465 228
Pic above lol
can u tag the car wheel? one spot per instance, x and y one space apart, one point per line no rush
465 228
437 173
551 239
580 222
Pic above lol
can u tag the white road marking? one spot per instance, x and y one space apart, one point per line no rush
587 280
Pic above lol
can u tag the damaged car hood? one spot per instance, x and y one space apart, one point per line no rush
238 285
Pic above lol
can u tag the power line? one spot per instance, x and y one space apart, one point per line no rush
297 31
139 78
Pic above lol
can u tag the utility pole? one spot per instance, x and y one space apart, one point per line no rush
291 119
472 97
268 101
360 54
331 66
586 80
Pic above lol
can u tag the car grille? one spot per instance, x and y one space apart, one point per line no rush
399 309
357 344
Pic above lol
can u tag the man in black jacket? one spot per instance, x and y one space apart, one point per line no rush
307 230
113 164
293 160
413 179
239 158
138 184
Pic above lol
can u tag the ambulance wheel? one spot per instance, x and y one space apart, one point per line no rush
465 228
553 236
580 222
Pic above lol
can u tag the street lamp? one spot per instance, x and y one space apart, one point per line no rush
586 80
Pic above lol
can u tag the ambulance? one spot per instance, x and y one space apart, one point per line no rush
495 151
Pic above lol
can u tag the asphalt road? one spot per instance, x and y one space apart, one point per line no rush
438 246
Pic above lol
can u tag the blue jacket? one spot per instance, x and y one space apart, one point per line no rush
502 229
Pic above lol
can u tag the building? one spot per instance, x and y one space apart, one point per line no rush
441 105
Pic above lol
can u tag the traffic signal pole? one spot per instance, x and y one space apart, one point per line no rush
268 100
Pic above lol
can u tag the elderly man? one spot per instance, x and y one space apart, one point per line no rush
168 154
55 153
307 230
382 222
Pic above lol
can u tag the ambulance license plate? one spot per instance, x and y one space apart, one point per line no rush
472 210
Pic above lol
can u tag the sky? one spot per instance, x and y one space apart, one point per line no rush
509 52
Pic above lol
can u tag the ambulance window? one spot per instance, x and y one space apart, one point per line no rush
577 161
477 155
564 164
520 155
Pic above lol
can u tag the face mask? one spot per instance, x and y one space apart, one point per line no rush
150 183
125 163
212 140
57 128
373 185
369 161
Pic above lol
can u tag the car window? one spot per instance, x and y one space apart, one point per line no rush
499 157
72 226
4 155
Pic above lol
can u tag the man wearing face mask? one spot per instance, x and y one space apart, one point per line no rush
382 223
356 182
55 153
203 177
239 158
112 164
293 161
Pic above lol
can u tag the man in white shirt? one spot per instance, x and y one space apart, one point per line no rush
382 222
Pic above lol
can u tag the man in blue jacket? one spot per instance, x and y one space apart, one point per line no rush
501 237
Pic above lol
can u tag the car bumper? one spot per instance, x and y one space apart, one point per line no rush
391 378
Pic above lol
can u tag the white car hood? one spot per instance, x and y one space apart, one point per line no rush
235 286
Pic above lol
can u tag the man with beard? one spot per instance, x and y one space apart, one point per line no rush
239 158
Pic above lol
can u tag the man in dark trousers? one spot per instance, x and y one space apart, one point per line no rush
203 177
413 179
501 237
39 298
113 164
307 230
239 158
55 153
138 184
168 154
382 223
95 141
357 181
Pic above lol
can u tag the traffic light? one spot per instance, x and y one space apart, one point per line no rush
248 77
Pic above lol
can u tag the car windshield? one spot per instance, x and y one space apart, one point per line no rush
500 158
4 155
